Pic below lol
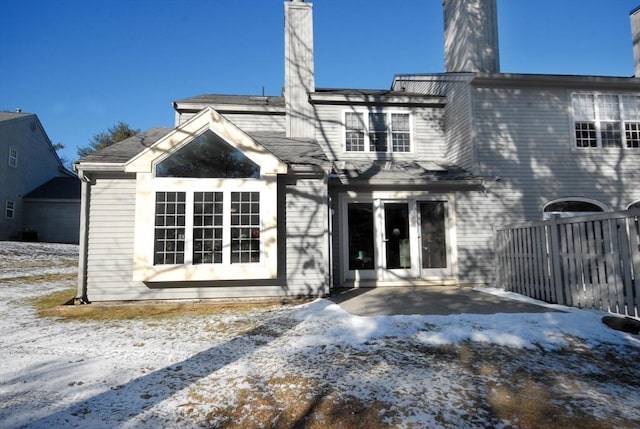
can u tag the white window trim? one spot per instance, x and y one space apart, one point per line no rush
451 272
367 146
145 270
13 159
546 215
599 122
632 203
11 209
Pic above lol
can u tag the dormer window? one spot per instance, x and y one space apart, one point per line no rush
377 132
606 120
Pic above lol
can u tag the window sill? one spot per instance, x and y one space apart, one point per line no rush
203 272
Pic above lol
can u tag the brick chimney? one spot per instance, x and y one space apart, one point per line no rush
471 36
635 36
299 78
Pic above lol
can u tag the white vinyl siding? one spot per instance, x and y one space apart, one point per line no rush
527 154
307 237
110 254
248 122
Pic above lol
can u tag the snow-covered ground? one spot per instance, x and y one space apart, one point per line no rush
312 365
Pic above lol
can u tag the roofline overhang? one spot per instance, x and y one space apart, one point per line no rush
229 108
371 99
82 167
346 181
556 81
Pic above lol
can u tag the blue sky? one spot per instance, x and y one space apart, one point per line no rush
82 66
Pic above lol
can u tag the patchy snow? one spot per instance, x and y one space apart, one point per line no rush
241 368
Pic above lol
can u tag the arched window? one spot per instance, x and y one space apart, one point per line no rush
568 207
634 205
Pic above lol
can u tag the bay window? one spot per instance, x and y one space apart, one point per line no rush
205 208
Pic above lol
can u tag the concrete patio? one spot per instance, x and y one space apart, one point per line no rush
429 300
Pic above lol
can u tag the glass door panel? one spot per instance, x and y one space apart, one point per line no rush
396 230
433 234
361 236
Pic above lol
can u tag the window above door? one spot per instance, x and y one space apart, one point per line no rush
378 132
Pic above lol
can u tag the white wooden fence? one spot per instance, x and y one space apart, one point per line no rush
588 261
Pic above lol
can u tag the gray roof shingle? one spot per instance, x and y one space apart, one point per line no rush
288 150
124 150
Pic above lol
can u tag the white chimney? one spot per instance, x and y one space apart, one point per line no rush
635 35
299 78
471 36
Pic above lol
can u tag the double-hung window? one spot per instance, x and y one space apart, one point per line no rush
606 120
13 158
10 210
377 132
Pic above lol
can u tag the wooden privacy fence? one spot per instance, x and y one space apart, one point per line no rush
587 261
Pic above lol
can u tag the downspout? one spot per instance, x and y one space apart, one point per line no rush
81 293
330 223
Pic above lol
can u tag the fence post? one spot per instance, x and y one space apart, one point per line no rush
555 261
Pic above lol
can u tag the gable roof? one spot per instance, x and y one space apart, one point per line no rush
290 151
58 188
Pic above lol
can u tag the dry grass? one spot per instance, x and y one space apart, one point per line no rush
52 277
57 304
291 403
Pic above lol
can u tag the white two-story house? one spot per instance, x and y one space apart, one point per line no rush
329 188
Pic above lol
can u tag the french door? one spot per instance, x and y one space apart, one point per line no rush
396 239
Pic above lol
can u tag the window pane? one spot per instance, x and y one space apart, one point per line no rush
396 225
169 236
10 209
572 206
583 107
433 231
586 134
354 128
360 224
245 227
611 134
400 132
608 108
207 232
377 132
208 156
632 133
631 107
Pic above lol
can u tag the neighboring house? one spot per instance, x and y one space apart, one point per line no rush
325 188
29 161
53 210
